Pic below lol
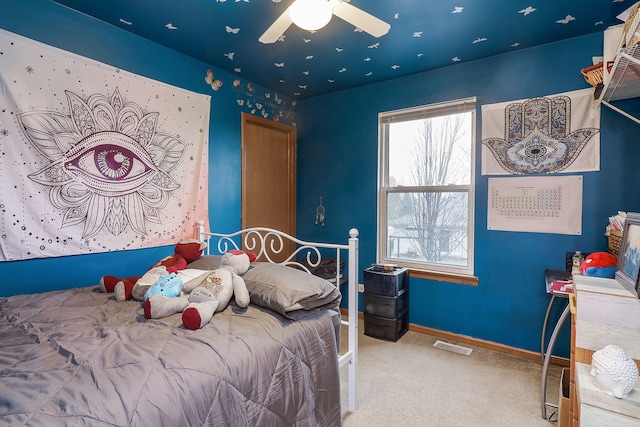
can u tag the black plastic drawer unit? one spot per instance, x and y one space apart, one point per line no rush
386 303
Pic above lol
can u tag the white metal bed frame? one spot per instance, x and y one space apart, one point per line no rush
257 239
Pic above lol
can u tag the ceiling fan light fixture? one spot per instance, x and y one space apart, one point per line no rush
310 15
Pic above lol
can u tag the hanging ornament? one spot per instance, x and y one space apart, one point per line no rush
320 214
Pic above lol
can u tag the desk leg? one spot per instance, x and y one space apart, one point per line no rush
547 359
544 328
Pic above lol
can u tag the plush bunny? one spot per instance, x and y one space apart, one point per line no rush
212 295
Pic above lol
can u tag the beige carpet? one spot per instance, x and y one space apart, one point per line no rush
411 383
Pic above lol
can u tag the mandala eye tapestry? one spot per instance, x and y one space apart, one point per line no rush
94 158
554 134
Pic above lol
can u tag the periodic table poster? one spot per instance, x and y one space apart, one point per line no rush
544 204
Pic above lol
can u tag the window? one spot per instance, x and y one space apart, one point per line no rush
426 187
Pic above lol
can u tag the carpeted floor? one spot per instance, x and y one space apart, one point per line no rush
411 383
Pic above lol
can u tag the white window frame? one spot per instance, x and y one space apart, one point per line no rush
416 113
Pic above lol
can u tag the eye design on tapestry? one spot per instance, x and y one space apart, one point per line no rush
538 137
109 165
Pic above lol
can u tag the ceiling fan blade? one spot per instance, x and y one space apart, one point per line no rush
277 29
361 19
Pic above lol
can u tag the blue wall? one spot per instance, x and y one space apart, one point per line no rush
49 23
338 146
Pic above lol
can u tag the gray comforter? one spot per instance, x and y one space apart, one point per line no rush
78 357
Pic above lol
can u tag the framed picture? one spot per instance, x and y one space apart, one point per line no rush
628 268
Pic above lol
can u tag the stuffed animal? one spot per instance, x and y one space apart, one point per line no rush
599 264
168 286
211 296
185 252
135 287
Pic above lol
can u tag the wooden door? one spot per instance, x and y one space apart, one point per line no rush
268 175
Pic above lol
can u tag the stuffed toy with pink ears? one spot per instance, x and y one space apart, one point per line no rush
211 296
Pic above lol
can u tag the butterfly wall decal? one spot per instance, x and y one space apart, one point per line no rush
215 84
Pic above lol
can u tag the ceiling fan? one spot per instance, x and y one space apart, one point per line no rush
319 12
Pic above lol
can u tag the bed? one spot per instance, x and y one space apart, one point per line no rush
79 357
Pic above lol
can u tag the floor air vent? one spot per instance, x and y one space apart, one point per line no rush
452 347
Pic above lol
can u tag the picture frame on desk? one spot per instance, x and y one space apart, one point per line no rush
628 269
